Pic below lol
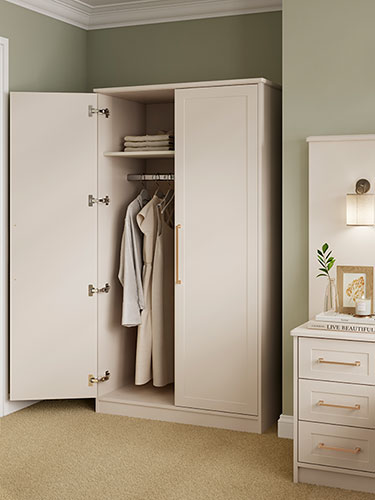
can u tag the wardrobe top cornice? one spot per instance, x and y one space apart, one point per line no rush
165 92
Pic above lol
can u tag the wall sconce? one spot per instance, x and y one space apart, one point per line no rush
360 207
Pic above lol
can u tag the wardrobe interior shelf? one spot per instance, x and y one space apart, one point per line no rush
141 154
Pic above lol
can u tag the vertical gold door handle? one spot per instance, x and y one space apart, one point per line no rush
178 281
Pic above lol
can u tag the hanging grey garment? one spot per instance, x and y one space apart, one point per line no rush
131 263
147 222
162 313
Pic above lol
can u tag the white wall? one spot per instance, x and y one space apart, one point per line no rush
335 165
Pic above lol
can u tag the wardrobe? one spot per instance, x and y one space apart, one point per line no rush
70 183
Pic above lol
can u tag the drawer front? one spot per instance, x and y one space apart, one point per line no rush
337 446
337 360
337 403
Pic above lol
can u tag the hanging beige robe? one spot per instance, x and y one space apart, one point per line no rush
162 312
147 222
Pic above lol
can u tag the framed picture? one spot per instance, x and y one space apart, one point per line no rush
354 282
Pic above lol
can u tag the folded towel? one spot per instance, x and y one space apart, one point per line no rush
145 144
144 138
150 148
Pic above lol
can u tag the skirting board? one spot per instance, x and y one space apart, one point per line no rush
181 416
285 426
13 406
332 479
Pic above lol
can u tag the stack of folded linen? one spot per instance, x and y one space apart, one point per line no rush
163 141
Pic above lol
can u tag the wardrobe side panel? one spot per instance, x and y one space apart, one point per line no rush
53 247
269 252
216 206
116 344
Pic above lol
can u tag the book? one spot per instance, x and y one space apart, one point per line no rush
341 327
334 317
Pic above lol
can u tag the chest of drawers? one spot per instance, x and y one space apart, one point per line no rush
334 408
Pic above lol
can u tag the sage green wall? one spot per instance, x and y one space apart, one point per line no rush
328 82
205 49
44 54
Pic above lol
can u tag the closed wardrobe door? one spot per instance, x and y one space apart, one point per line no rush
53 246
216 249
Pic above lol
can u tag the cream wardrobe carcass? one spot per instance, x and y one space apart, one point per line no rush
70 185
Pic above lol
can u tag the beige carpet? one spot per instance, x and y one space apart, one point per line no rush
63 450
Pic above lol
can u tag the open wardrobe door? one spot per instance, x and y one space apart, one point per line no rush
53 246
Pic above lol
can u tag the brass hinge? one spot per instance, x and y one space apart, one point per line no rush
95 380
92 200
98 111
92 289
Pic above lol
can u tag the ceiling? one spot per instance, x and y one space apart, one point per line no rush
97 14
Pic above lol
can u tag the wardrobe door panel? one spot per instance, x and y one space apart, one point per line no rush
216 214
53 321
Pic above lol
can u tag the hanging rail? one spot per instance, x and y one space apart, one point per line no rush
150 177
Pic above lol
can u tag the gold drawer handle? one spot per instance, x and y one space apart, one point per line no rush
322 446
355 407
178 280
355 363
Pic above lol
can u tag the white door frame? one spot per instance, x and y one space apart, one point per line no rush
6 406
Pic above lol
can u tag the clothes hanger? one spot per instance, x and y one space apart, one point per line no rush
144 192
143 183
170 189
158 192
167 202
164 199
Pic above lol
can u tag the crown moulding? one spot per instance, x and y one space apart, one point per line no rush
133 12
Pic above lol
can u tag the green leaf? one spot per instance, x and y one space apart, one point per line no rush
331 259
321 261
323 269
318 276
325 247
329 253
319 252
330 265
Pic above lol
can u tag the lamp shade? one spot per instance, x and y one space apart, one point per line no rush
360 209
